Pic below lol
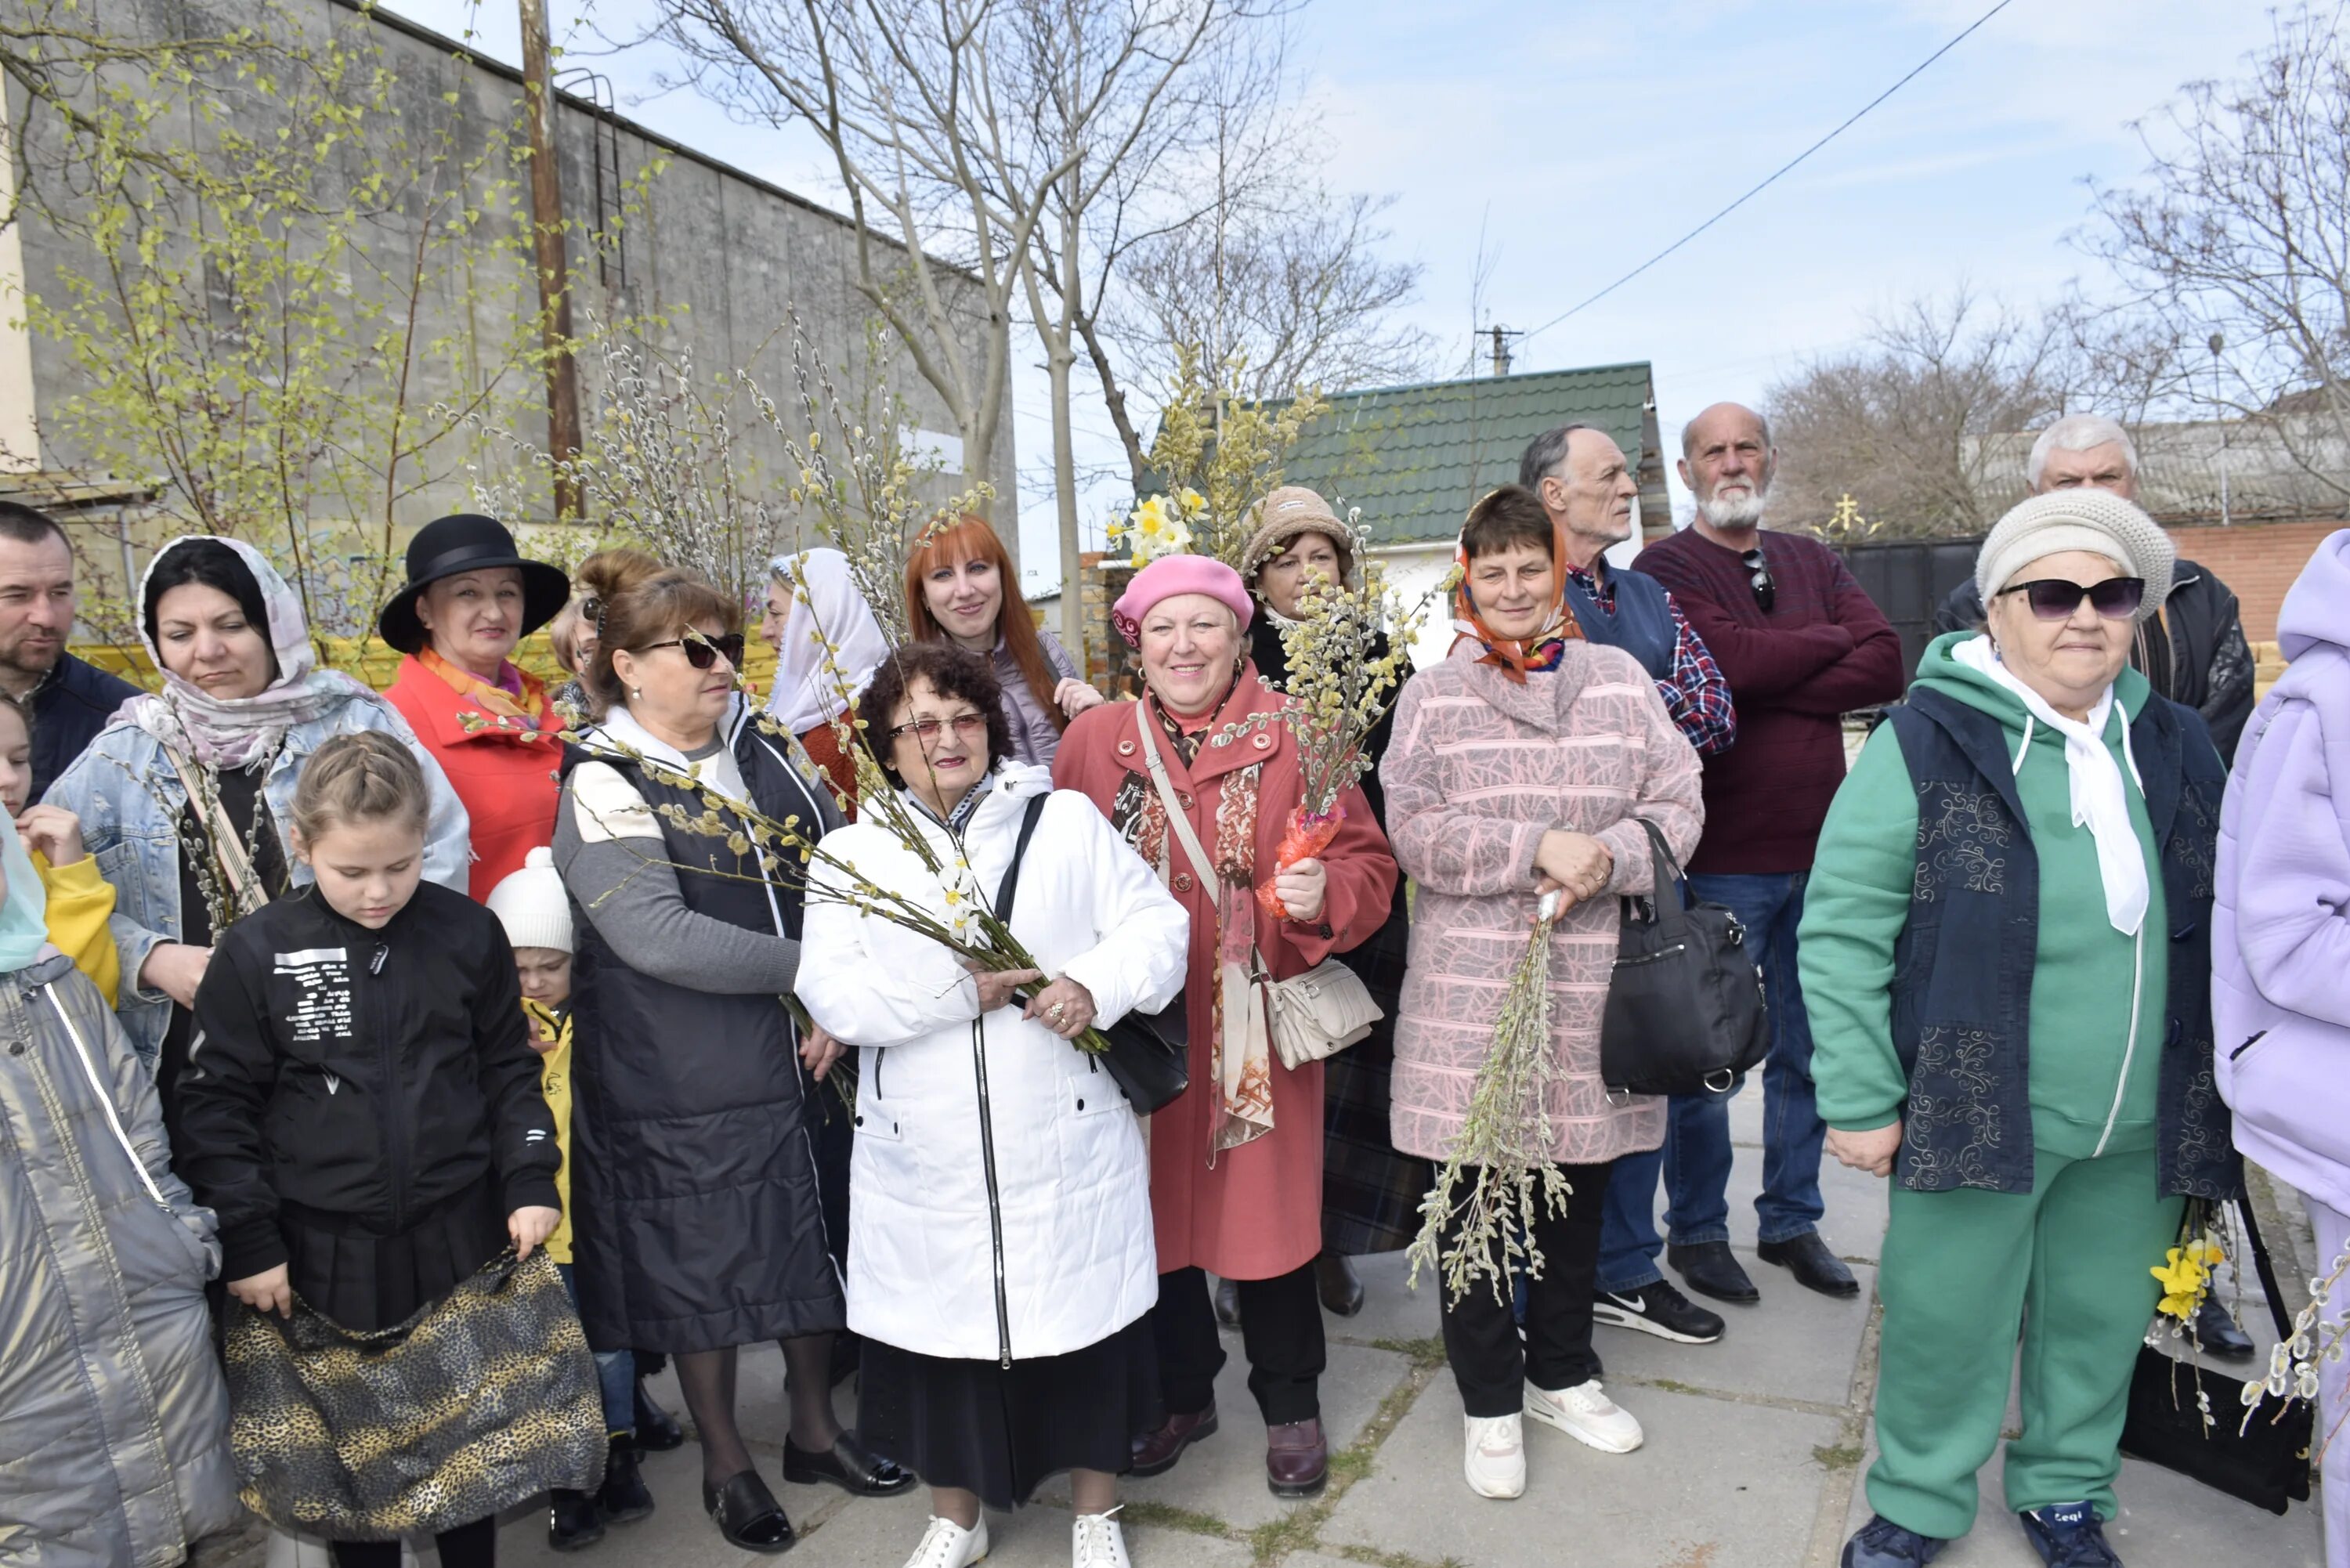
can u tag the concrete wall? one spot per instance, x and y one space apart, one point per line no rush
718 252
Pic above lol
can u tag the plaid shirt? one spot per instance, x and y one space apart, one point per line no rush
1696 697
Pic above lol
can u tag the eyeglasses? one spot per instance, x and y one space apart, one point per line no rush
927 730
2055 599
703 652
1766 592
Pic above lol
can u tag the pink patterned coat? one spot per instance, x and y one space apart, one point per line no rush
1480 769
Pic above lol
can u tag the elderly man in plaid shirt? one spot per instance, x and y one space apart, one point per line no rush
1590 492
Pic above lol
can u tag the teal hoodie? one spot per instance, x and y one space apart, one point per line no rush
2091 1077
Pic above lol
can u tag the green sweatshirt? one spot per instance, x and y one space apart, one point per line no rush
2092 1078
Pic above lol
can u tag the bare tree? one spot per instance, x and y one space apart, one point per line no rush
2241 229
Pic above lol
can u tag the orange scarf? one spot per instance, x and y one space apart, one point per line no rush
525 717
1515 656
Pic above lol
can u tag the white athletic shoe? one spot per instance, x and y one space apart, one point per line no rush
1494 1454
946 1544
1587 1415
1097 1542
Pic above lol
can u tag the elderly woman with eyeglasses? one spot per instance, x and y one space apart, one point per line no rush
696 1204
2007 948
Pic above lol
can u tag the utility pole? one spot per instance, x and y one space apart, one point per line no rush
553 268
1502 335
2219 342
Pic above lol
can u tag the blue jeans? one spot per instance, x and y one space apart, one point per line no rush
1696 1155
616 1370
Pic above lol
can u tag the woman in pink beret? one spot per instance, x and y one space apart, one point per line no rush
1236 1160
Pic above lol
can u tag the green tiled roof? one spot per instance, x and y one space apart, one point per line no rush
1415 457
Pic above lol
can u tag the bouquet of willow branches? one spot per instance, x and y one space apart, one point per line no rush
2293 1363
1500 1176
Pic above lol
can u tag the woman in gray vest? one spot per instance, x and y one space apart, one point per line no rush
2006 946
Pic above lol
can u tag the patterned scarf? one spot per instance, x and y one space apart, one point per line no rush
1515 656
516 710
1241 1055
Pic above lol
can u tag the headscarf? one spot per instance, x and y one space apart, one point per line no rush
233 731
813 685
24 919
1515 656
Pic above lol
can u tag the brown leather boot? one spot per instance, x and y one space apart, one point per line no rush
1155 1453
1297 1458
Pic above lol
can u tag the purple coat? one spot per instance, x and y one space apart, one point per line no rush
2280 926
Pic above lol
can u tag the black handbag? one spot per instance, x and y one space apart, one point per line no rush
2264 1459
1684 1008
1149 1054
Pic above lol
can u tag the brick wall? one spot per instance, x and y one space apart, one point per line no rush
2259 561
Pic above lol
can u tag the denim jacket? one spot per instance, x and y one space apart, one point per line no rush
128 798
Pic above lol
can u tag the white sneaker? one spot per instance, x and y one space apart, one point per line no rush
946 1544
1097 1542
1587 1415
1494 1454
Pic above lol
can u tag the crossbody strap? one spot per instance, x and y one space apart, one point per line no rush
1010 887
106 1100
2267 1269
245 886
1179 820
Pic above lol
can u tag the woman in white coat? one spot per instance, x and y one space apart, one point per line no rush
1004 1271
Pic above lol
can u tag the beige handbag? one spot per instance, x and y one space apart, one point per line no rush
1316 1014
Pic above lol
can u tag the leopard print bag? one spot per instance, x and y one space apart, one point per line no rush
478 1403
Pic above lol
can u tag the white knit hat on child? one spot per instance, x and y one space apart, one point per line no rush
532 905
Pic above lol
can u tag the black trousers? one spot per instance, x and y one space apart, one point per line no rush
1481 1332
474 1545
1281 1329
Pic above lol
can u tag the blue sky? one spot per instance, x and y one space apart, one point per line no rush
1579 139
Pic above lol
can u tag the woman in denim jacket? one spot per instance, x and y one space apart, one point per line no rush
241 709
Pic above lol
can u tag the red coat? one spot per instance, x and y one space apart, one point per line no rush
506 774
1257 1212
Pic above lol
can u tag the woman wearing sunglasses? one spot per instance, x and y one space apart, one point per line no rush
696 1210
2006 945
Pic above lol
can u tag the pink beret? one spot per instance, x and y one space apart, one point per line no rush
1169 576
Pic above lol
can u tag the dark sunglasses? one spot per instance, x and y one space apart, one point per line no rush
703 652
1766 592
927 730
2055 599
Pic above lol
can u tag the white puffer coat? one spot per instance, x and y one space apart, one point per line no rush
1065 1175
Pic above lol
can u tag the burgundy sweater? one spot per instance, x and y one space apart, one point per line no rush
1823 651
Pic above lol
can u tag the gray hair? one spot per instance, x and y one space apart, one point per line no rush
2077 433
1762 423
1545 452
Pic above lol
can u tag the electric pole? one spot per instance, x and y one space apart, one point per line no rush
1502 335
553 268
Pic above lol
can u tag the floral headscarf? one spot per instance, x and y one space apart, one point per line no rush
1515 656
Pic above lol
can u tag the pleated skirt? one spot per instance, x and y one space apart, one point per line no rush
1001 1432
365 1281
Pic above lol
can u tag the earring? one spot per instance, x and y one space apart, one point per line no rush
635 694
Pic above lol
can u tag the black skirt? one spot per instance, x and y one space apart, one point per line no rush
976 1427
367 1282
1370 1193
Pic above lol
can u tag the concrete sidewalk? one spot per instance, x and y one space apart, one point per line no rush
1754 1455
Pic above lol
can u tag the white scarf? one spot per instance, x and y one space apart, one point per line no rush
2100 797
813 684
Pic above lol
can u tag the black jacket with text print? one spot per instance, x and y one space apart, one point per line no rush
367 1073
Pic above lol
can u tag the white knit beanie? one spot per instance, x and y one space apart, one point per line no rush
2083 518
532 905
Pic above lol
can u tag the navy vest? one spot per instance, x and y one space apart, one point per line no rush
1963 965
1641 623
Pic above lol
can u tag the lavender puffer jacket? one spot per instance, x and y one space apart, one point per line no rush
1480 768
2280 924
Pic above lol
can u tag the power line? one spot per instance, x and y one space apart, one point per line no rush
1774 176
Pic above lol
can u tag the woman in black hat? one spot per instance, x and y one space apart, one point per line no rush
470 598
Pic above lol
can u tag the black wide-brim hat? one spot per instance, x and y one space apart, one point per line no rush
468 543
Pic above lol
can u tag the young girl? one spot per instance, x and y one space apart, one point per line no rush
365 1115
78 900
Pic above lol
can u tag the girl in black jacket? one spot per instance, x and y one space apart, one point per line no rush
364 1111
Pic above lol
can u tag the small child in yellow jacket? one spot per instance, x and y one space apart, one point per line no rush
532 905
80 900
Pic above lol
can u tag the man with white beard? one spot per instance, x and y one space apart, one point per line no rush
1801 644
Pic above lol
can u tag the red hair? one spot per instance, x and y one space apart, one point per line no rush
968 538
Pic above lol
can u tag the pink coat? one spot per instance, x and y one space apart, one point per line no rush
1480 769
1257 1212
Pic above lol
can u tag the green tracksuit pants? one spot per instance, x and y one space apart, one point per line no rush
1963 1276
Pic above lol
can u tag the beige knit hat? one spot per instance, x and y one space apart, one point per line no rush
1281 517
2096 521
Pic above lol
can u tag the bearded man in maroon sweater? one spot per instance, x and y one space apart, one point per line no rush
1801 644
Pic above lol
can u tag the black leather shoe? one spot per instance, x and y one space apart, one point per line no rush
624 1497
1814 1267
747 1513
1155 1452
1342 1291
572 1523
656 1432
1711 1269
848 1465
2217 1333
1228 1303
